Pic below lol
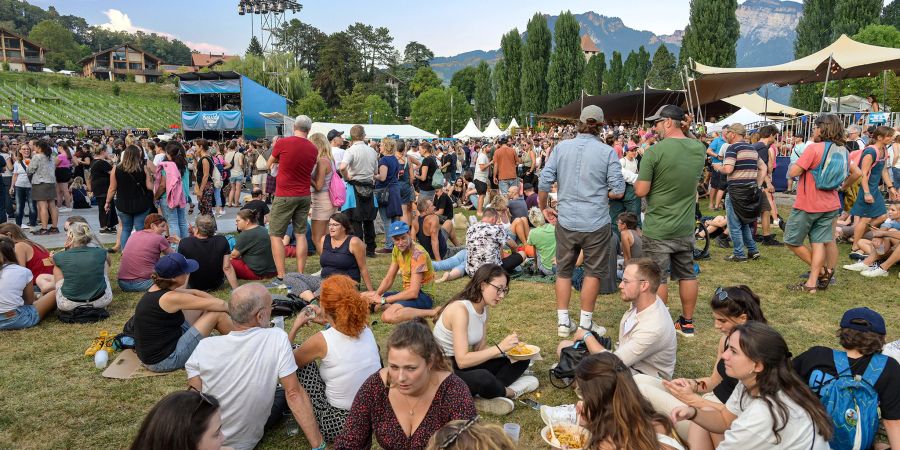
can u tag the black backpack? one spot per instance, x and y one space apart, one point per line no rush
569 358
83 314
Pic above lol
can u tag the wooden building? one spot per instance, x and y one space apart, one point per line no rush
21 54
115 64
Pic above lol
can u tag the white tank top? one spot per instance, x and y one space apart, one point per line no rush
474 334
347 364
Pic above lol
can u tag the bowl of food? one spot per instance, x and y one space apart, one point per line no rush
523 351
567 435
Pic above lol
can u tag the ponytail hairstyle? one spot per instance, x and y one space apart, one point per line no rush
7 251
737 301
472 291
175 153
614 408
177 422
340 300
416 336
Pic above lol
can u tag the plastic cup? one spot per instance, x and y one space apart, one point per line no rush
512 430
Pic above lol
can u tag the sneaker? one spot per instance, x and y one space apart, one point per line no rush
858 255
371 254
384 251
317 274
97 343
876 271
770 241
64 209
499 406
25 227
596 329
754 256
276 283
723 242
524 385
858 266
735 258
684 328
564 330
782 224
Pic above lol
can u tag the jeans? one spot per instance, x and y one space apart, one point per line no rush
365 230
177 219
129 222
135 285
5 199
740 232
388 241
457 261
23 198
218 196
895 174
506 184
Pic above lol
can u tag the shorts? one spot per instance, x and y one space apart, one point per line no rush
819 227
288 210
64 304
595 245
271 183
407 195
718 181
480 187
25 316
135 285
43 192
258 179
675 256
764 204
423 301
236 177
321 207
63 174
190 338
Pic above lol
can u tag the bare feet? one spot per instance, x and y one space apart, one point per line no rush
443 278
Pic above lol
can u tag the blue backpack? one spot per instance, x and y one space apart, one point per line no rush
852 403
833 169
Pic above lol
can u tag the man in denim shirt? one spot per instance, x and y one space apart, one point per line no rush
588 175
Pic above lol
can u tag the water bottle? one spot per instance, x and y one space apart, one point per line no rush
101 358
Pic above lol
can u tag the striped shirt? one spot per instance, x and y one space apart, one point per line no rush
744 158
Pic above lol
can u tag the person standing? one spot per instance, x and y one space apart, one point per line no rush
505 163
131 185
359 166
234 163
482 166
588 174
387 187
336 139
21 185
43 187
768 208
6 173
746 172
296 157
669 173
430 166
321 207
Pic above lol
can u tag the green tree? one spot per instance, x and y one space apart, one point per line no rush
63 50
484 93
374 44
464 81
313 105
255 48
850 16
712 33
431 111
292 82
339 66
302 40
615 78
352 108
417 54
508 98
813 34
535 58
882 36
593 74
424 80
890 15
565 73
379 110
663 73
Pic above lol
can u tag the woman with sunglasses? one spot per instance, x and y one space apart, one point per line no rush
470 435
731 306
460 328
182 420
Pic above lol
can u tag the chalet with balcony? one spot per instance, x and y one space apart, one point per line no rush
588 47
21 54
115 64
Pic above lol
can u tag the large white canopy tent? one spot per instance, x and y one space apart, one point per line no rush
492 130
374 131
512 124
759 105
847 103
742 116
470 131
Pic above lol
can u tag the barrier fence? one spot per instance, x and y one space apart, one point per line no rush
802 125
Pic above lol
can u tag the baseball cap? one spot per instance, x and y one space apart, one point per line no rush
397 228
591 112
864 319
667 112
333 134
738 128
174 264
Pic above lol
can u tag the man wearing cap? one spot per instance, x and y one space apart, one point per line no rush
588 174
716 180
669 173
505 162
336 139
358 166
296 157
242 369
862 338
414 265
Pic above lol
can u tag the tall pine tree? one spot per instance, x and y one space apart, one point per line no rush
891 14
254 48
712 33
850 16
509 99
615 77
564 75
663 73
484 94
535 58
813 34
593 74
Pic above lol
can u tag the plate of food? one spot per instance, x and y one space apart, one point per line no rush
523 351
567 435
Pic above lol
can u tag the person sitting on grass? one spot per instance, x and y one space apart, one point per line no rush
731 306
258 205
212 252
861 336
346 348
170 320
443 207
32 256
470 435
484 242
460 328
414 265
884 246
81 272
80 199
182 420
405 403
243 369
432 231
141 253
543 238
632 242
19 307
252 255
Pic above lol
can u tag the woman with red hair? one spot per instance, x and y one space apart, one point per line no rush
346 348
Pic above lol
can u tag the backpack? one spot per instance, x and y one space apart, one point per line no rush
833 169
217 177
852 402
83 314
337 192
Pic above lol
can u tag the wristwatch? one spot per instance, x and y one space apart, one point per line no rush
383 300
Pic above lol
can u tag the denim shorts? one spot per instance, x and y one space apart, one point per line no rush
190 337
135 285
423 301
25 316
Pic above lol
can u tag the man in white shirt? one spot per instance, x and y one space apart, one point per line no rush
358 167
647 342
243 368
336 138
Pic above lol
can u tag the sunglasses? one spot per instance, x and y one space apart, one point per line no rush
455 435
203 399
720 295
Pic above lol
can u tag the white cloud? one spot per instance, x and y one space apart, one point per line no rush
119 21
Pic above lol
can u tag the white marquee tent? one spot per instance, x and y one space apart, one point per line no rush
374 131
848 103
492 130
512 124
743 116
470 131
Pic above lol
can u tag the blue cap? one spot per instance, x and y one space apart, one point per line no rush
397 228
174 264
864 319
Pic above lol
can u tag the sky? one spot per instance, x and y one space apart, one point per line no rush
447 28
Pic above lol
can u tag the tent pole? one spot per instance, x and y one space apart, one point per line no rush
840 93
825 88
687 89
766 107
644 110
884 86
696 93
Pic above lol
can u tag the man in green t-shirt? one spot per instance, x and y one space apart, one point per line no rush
669 173
543 238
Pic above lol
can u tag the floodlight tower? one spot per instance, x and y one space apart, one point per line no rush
271 17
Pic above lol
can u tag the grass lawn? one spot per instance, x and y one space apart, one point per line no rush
53 397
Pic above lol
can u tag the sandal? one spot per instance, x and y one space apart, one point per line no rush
802 287
824 279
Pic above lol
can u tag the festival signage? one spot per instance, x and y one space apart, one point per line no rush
37 129
877 118
10 126
63 132
96 132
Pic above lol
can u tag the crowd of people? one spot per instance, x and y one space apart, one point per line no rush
594 207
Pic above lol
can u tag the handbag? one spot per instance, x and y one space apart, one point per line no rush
337 191
287 305
569 358
83 314
437 181
383 196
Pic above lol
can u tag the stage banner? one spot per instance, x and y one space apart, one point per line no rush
211 120
210 87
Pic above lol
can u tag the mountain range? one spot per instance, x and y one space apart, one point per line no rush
767 37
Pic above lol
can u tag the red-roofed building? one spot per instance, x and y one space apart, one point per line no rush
588 47
209 60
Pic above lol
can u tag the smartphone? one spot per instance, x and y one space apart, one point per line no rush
530 403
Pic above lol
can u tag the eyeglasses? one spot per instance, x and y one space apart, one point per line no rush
333 225
720 295
203 399
455 435
626 281
500 290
